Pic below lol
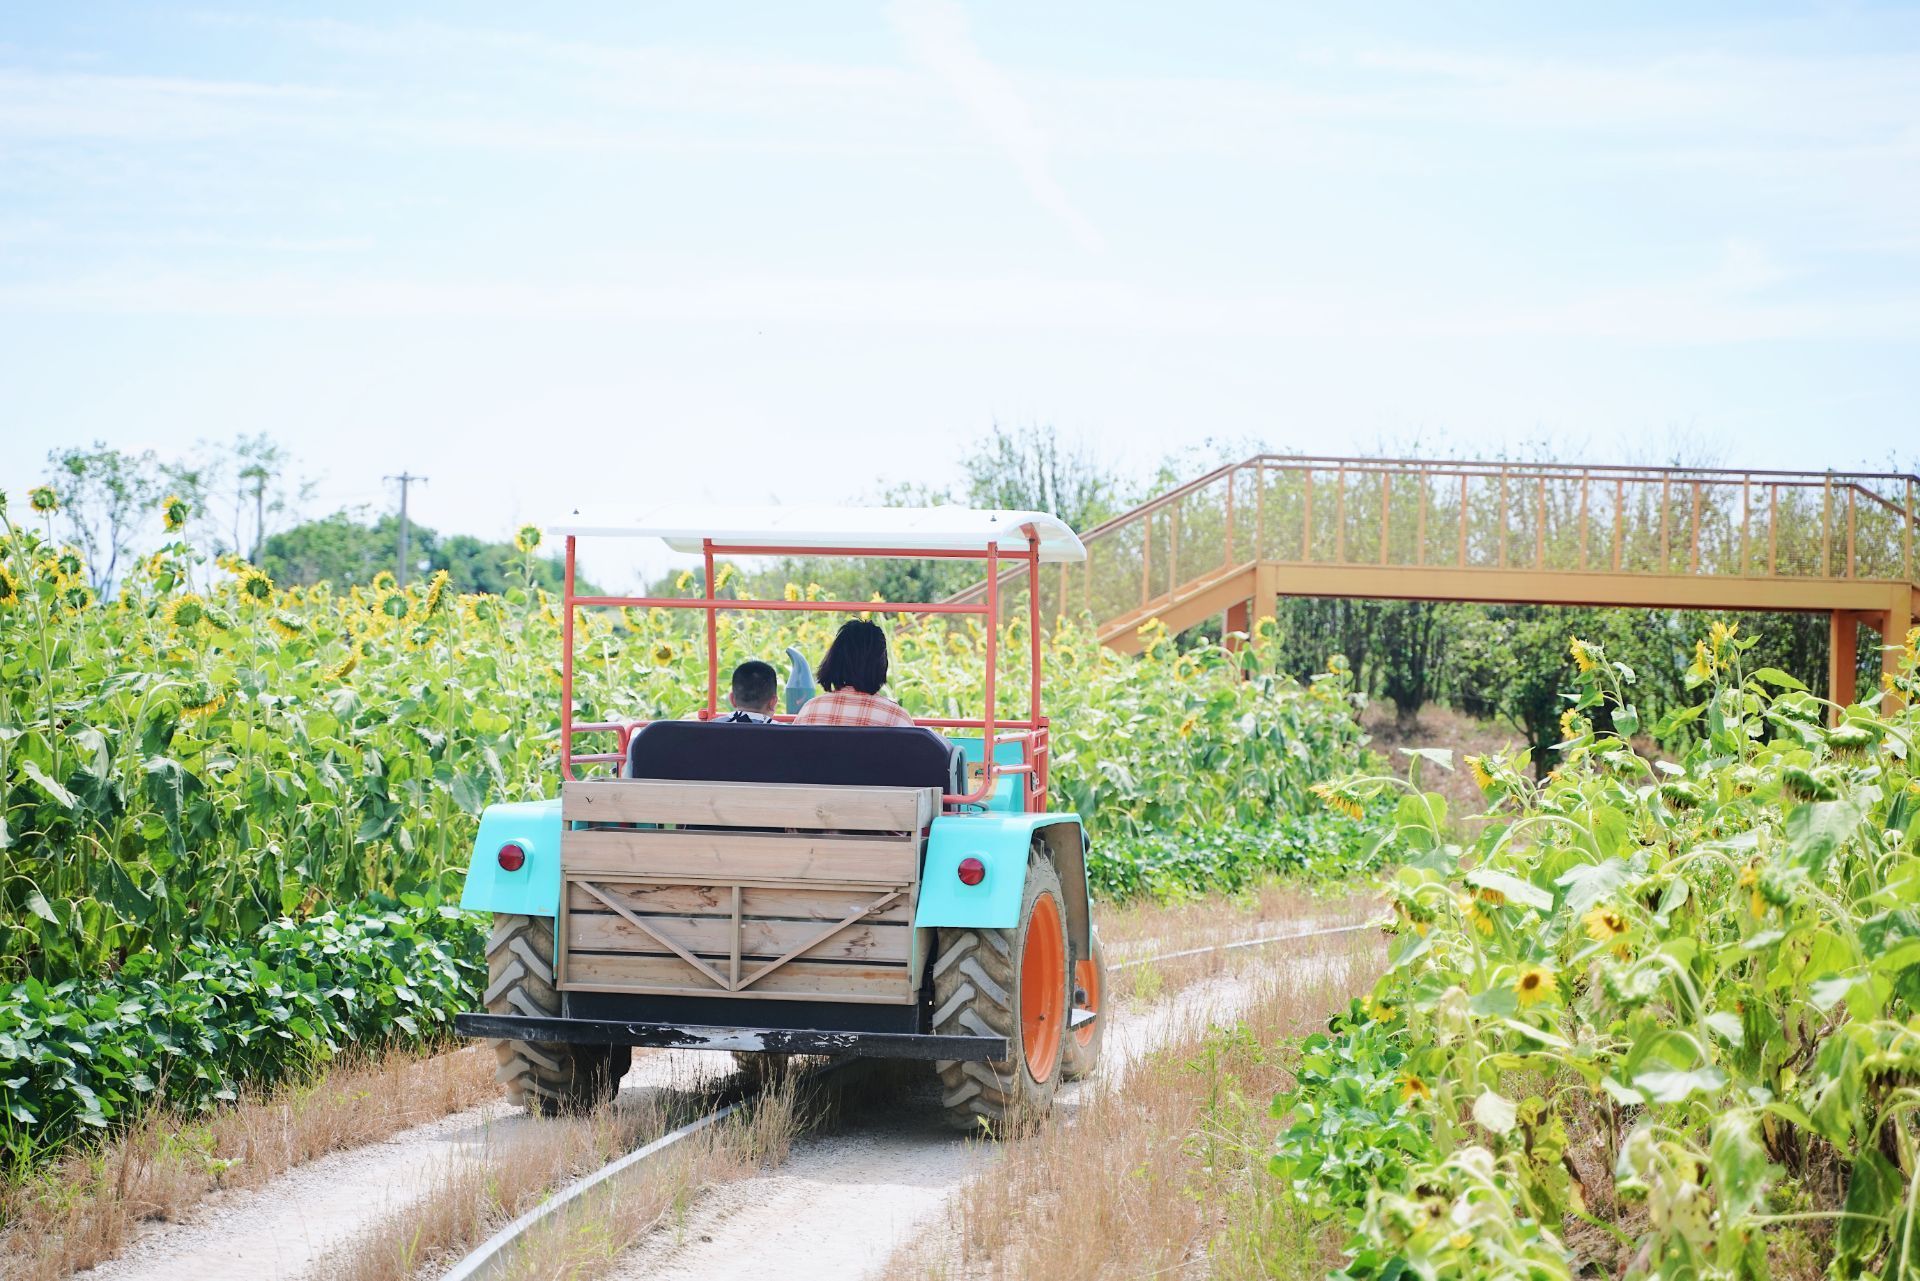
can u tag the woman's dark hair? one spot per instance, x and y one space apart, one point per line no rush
856 659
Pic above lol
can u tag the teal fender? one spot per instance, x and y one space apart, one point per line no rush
1001 842
534 890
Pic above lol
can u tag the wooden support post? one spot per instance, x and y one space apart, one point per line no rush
1502 520
1666 537
1893 635
1826 528
1693 524
1173 551
1386 514
1773 530
1420 528
1340 517
1226 551
1851 491
1146 560
1306 523
1746 524
1463 520
1239 620
1266 592
1540 524
1586 485
1619 519
1843 638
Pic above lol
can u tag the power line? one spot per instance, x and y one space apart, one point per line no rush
406 479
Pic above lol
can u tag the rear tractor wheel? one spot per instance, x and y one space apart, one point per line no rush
1011 983
545 1077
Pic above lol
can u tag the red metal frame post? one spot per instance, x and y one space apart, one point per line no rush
1036 750
987 753
713 636
566 666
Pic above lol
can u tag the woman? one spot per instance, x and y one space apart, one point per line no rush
852 673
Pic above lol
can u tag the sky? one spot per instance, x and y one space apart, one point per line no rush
618 255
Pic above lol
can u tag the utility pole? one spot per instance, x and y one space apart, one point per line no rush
405 479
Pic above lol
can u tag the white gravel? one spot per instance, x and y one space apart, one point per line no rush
278 1232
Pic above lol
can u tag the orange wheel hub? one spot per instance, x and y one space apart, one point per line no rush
1043 988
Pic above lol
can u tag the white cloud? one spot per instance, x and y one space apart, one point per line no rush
937 35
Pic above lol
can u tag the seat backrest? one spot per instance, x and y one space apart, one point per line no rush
834 755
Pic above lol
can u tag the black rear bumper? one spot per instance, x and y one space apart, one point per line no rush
699 1036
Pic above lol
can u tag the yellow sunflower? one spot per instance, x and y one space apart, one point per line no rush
1337 802
527 538
1535 983
792 591
43 500
663 653
1477 766
255 586
174 512
287 625
9 590
1604 924
383 581
1582 653
344 668
202 700
187 612
1414 1090
436 596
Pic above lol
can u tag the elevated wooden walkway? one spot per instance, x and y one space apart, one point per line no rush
1234 541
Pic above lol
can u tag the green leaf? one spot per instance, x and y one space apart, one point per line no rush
1626 720
1441 756
60 795
1515 889
1677 1087
1774 676
1589 883
38 905
1817 830
1874 1191
1494 1113
1727 1026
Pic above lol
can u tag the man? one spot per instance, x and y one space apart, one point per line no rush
753 692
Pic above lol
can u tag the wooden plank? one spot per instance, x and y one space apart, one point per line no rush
778 805
710 937
727 856
821 936
646 898
642 925
804 980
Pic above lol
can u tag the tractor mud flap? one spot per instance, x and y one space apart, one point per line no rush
877 1045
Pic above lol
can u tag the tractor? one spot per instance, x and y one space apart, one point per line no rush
789 889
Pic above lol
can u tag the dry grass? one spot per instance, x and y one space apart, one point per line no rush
1164 1171
477 1197
87 1207
1137 933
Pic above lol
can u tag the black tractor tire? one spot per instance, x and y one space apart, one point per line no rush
976 992
1082 1053
545 1077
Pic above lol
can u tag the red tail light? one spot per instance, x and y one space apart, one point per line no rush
512 857
972 871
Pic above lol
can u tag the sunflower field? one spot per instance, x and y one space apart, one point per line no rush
1660 1018
208 760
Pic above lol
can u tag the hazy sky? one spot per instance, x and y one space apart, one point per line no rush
643 253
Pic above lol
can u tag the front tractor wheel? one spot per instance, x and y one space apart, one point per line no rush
1010 983
545 1077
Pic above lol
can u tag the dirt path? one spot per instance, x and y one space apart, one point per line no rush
278 1232
839 1205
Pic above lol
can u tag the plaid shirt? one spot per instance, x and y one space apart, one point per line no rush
851 707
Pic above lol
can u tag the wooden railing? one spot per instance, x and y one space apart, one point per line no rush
1557 518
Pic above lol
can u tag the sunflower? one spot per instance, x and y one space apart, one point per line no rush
187 612
816 592
1604 924
663 653
721 579
255 586
481 608
1413 1090
1702 667
76 597
1477 766
43 500
1572 725
1472 915
792 591
202 700
683 582
395 605
1490 896
436 596
287 625
1582 653
1535 984
527 538
1336 801
383 581
9 590
174 512
344 668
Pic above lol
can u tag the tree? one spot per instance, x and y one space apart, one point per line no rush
106 495
1033 469
346 550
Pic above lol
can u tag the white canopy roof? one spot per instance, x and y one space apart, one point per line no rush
839 528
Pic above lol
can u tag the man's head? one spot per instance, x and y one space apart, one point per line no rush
755 686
